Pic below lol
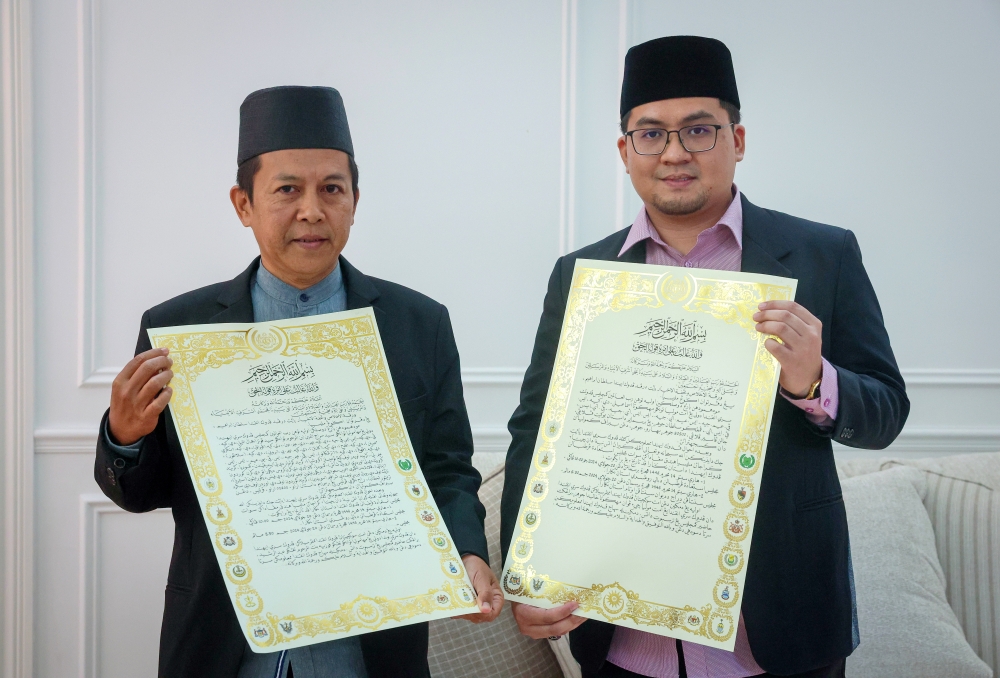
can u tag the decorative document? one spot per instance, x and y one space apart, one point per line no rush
641 498
321 518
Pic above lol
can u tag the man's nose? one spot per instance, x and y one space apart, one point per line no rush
675 153
310 208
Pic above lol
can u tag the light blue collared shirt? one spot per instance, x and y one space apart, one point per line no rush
274 299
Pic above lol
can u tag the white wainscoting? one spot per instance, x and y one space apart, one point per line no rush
485 135
121 598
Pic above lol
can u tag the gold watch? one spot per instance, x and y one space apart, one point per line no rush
813 388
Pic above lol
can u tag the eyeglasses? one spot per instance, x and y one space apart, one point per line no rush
694 138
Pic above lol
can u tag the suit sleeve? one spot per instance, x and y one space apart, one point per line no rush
524 423
447 463
872 396
142 483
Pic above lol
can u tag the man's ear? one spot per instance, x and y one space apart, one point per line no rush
242 204
357 197
623 151
740 139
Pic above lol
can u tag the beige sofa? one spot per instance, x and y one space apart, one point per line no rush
957 600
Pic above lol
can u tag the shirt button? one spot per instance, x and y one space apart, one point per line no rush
119 462
303 297
688 264
826 403
809 410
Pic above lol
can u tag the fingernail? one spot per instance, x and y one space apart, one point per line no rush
762 305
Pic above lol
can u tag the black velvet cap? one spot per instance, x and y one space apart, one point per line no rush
277 118
678 66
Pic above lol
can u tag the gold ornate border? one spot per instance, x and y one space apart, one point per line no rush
593 292
356 341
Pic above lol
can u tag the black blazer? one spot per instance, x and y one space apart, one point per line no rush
797 604
201 635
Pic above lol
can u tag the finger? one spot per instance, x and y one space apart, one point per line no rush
147 371
786 317
159 403
498 601
780 330
780 352
560 628
152 388
537 616
796 309
132 365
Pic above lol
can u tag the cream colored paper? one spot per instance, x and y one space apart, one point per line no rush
321 519
641 496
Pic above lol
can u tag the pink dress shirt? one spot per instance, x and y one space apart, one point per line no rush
719 247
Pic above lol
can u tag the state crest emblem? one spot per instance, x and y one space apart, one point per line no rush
286 627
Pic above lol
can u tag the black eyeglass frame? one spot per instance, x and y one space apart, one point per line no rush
679 137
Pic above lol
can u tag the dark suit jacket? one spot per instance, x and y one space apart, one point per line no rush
797 604
201 635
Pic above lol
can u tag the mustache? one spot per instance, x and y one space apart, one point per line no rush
675 172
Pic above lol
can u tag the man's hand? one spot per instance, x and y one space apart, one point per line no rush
138 395
800 355
488 593
536 622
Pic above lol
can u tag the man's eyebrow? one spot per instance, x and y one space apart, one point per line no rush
646 120
286 177
335 175
697 115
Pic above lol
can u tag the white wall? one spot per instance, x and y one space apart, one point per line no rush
485 137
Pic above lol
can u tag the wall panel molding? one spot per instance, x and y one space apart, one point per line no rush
91 372
567 127
951 377
16 342
92 508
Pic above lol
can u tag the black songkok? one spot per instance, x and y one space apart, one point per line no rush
277 118
678 66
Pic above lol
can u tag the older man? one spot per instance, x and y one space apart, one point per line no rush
297 189
681 140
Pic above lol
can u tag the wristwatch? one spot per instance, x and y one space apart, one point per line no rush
810 394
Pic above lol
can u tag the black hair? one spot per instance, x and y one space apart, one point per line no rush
734 115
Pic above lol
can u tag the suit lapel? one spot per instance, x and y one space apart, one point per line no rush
634 255
764 246
360 290
236 298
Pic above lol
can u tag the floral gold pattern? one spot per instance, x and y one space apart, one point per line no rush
595 291
356 341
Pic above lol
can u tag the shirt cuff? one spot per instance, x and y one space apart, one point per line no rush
126 451
821 410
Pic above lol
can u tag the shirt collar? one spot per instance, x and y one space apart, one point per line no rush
642 228
281 291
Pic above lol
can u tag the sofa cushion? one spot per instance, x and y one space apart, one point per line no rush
963 502
907 626
460 649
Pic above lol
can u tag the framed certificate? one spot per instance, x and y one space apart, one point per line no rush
641 498
321 519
